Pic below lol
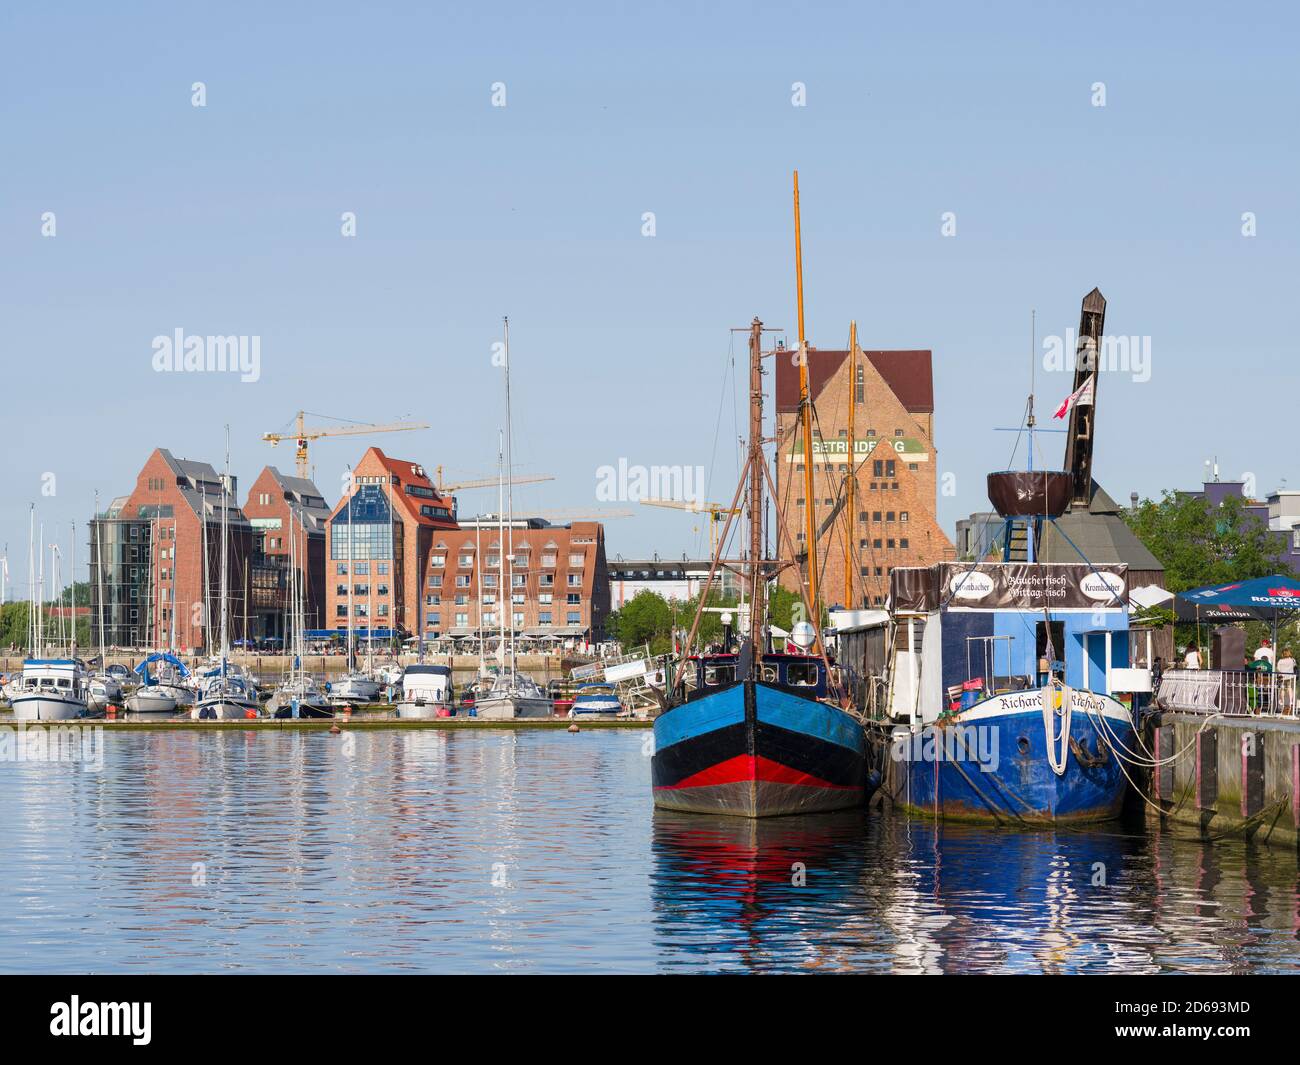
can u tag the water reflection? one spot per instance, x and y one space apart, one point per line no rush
890 894
485 851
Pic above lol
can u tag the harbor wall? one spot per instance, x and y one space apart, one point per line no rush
1226 777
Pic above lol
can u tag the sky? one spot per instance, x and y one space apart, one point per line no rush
961 166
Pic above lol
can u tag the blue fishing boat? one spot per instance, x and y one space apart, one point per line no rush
759 741
1010 681
749 729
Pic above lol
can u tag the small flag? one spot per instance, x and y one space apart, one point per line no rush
1081 397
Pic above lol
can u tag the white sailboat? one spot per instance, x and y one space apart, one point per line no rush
511 694
52 689
151 699
356 685
229 695
299 695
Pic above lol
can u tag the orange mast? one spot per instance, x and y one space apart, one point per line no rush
805 412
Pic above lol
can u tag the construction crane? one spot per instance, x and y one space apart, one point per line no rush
716 511
302 434
486 482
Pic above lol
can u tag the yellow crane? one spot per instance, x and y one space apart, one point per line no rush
716 512
302 434
486 482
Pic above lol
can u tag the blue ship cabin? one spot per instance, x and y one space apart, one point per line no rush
965 633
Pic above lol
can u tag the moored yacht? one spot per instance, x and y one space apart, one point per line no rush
595 700
511 695
426 692
52 689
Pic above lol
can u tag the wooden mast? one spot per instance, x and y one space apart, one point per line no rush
758 585
805 413
849 524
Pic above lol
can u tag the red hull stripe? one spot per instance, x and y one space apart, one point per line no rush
746 767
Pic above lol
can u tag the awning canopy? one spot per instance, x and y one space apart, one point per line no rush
1259 599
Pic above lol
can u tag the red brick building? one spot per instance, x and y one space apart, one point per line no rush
559 581
147 573
282 509
380 537
895 521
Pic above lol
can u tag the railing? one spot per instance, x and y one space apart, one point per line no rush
1236 692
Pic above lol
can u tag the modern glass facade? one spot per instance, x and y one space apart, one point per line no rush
371 522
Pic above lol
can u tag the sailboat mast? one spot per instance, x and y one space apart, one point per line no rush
225 561
99 587
805 413
351 492
501 542
849 525
72 591
757 585
510 505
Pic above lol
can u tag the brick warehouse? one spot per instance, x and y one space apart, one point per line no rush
146 556
895 523
280 508
560 586
380 537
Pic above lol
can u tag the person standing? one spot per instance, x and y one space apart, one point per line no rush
1192 660
1286 681
1264 651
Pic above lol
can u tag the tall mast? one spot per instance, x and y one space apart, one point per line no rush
225 561
757 585
72 591
805 413
352 487
510 505
99 586
501 544
852 467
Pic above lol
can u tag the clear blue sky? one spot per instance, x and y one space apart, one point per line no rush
225 220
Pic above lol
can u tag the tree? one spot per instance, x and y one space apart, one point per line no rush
1199 544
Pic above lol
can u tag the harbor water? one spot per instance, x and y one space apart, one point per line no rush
539 851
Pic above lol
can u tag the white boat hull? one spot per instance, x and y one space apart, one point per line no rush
222 710
46 707
423 711
495 707
151 702
355 690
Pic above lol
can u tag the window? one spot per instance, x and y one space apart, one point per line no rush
462 580
890 470
437 561
861 385
462 619
545 598
801 674
574 617
573 599
577 560
435 580
517 619
889 544
489 598
877 469
493 561
517 598
383 569
362 569
898 432
465 562
544 617
548 561
490 618
889 515
875 515
461 600
913 466
876 543
575 580
341 610
904 544
342 569
489 580
432 600
434 619
340 589
382 589
902 515
862 515
547 580
383 610
517 580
